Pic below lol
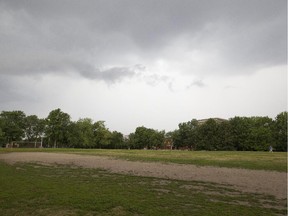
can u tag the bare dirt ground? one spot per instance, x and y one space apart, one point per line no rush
253 181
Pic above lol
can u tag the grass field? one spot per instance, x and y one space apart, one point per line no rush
276 161
33 189
30 189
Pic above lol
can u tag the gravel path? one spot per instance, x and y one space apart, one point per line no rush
255 181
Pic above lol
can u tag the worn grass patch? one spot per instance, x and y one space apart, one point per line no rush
276 161
33 189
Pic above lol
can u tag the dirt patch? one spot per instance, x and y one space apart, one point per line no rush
255 181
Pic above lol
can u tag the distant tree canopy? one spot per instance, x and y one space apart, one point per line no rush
146 138
12 125
57 130
238 133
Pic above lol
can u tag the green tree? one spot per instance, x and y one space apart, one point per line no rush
147 138
57 129
260 136
130 142
85 127
141 138
157 139
208 136
240 130
175 136
101 134
74 137
12 125
2 134
280 132
34 128
225 138
187 135
81 133
117 140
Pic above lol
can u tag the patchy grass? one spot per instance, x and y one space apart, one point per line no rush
276 161
30 189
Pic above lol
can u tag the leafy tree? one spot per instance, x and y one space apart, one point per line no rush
174 135
240 130
130 142
157 139
74 138
141 137
117 140
57 129
260 136
280 132
146 138
85 127
12 125
2 134
81 133
187 135
34 127
208 137
239 133
225 138
101 135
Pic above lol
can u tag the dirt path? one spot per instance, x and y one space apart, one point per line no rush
255 181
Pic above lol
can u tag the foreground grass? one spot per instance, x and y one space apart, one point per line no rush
276 161
30 189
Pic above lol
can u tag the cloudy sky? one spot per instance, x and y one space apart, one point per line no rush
152 63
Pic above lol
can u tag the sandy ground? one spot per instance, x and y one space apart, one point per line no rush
255 181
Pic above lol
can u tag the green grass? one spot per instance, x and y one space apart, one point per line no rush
276 161
30 189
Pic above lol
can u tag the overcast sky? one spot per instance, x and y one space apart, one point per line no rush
152 63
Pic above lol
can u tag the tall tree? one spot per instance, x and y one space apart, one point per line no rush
2 134
117 140
57 127
280 131
147 138
81 133
187 135
85 131
260 136
240 130
225 137
208 136
34 127
74 137
13 125
101 134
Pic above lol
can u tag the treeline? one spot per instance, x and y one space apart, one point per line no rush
57 130
238 133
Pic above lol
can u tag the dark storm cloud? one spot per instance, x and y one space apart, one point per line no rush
58 36
110 75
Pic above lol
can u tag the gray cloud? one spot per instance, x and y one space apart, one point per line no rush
110 75
57 36
50 50
197 83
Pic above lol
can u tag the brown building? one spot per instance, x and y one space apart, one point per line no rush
217 120
168 143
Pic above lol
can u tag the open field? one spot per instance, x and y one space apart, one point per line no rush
98 182
276 161
33 189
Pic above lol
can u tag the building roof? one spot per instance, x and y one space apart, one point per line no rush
218 120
